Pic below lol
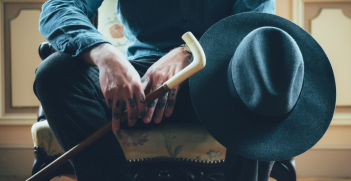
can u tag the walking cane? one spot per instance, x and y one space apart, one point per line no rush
199 62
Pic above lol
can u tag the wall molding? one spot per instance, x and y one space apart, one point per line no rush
10 118
16 146
341 119
331 147
299 8
26 119
17 121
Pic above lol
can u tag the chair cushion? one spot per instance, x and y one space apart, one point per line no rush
43 138
184 140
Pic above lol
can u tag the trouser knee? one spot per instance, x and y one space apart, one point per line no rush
56 68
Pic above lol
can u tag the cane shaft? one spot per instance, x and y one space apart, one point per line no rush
91 139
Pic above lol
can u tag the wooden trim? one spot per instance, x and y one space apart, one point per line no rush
299 6
20 121
313 10
11 11
341 118
321 179
16 146
332 147
331 1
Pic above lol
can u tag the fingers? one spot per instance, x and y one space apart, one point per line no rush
121 85
146 85
130 99
108 97
150 108
141 103
160 108
171 101
116 114
157 74
151 81
132 110
144 81
172 97
116 111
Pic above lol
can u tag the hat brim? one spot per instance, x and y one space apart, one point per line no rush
209 91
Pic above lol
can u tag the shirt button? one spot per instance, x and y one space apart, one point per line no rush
185 20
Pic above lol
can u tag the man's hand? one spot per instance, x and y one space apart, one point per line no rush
156 75
120 83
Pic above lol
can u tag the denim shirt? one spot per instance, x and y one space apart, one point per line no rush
152 27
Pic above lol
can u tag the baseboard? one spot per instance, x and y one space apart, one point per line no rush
331 147
16 146
324 163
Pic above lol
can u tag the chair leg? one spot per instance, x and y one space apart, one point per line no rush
284 170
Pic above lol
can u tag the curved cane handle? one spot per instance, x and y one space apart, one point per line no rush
198 63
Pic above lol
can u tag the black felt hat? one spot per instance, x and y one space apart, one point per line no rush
268 89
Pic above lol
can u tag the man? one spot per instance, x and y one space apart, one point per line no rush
91 82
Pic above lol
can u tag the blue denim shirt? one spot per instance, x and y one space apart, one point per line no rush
153 27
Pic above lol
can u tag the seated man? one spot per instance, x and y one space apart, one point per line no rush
90 82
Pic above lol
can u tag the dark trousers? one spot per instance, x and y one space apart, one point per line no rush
69 91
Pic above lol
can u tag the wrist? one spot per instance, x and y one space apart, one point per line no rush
98 54
89 55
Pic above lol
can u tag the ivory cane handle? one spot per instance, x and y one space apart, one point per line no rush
199 62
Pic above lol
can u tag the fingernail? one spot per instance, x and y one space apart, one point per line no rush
131 123
146 120
115 128
157 121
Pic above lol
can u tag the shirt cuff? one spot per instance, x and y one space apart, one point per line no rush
81 42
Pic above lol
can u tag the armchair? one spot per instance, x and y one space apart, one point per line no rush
182 151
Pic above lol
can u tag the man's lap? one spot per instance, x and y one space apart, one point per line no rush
61 68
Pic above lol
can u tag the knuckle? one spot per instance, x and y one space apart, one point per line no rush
137 87
131 103
106 89
159 75
125 85
113 89
127 88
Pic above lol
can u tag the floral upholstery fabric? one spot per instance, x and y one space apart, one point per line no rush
171 141
43 138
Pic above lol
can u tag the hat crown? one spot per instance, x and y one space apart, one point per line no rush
267 72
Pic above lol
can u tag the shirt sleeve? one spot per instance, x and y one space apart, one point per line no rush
66 25
263 6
